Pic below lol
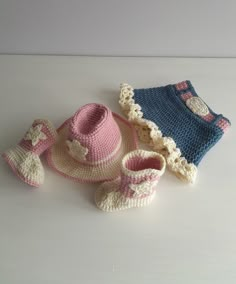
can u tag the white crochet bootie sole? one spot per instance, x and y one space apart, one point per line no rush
109 198
26 165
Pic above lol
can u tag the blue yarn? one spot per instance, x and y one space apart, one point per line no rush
192 134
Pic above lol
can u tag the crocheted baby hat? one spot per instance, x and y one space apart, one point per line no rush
91 144
176 122
24 158
136 187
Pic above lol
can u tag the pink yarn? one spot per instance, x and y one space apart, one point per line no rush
42 145
186 96
93 126
137 164
209 117
181 86
61 161
223 124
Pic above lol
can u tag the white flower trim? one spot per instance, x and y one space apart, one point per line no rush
76 150
35 134
149 133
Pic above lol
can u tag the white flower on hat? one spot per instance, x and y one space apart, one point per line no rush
35 134
76 150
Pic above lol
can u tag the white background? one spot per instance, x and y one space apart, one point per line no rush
119 27
56 234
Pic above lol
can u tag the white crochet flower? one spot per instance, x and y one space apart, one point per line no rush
76 150
143 188
30 164
110 199
35 134
31 168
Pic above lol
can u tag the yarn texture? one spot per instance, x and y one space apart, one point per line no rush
136 186
24 159
91 145
175 122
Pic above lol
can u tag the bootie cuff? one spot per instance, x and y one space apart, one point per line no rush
140 163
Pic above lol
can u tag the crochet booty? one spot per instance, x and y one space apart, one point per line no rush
175 122
136 187
24 158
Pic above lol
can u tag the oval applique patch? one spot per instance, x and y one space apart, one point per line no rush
197 106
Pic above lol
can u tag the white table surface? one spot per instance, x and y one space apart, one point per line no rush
56 234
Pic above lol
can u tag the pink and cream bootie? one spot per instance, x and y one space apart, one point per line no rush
136 187
24 157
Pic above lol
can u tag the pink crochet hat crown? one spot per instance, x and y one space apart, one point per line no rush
92 144
91 127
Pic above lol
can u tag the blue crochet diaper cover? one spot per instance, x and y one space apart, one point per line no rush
176 122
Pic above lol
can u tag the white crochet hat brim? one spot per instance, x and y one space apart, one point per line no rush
60 161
